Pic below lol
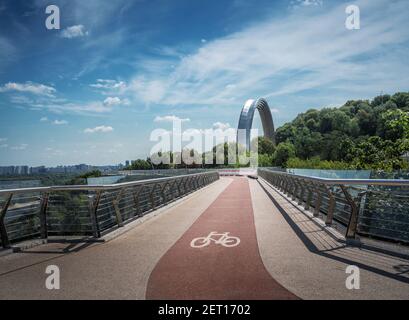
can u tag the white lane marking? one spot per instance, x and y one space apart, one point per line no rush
223 239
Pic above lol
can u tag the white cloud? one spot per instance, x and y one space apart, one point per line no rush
21 99
43 119
114 101
306 3
87 108
20 147
280 57
74 32
170 119
103 129
2 144
274 110
60 122
221 125
29 87
107 86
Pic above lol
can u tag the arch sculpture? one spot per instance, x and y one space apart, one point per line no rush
246 121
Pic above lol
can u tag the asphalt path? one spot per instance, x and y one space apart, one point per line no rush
218 256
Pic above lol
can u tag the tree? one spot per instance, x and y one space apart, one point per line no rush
286 133
265 160
394 125
307 144
365 134
283 152
379 100
91 174
140 164
265 146
401 99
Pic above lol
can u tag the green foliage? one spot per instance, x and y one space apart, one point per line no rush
140 164
265 146
265 160
394 125
82 179
91 174
317 163
364 134
284 151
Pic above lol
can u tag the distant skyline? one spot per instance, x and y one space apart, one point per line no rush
93 91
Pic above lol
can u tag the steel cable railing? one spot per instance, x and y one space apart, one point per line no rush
377 208
88 210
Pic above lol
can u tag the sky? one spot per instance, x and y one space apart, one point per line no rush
94 90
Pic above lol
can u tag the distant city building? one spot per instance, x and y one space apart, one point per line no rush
38 170
73 169
15 170
127 163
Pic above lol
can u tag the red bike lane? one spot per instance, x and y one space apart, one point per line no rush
225 270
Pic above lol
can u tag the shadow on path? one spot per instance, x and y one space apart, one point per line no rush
328 253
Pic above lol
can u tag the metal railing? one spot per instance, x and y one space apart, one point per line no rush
87 209
377 208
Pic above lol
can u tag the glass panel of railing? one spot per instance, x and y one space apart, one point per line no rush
22 218
385 213
68 213
127 204
106 212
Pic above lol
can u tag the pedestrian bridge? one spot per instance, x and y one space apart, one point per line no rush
208 236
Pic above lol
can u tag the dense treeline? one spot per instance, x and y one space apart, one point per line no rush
361 134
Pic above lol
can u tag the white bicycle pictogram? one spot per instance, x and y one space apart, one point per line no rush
218 238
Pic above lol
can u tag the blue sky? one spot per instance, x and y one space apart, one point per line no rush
93 91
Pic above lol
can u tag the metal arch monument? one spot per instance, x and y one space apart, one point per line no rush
246 121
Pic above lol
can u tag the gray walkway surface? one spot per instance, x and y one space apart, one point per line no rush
295 251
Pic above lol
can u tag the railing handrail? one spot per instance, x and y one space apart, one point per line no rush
97 187
382 182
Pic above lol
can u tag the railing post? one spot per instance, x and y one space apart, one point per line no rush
353 219
43 216
287 186
173 185
115 203
162 191
301 198
191 184
185 186
309 198
193 187
281 184
179 184
136 200
152 198
94 218
331 207
318 202
3 231
294 189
